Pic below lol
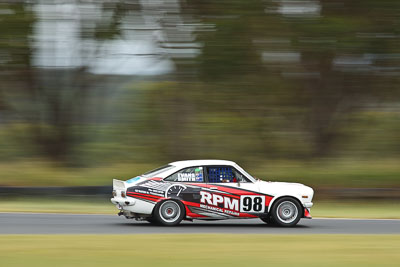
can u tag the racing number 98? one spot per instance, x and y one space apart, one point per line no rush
252 203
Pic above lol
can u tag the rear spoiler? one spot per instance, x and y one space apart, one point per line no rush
118 184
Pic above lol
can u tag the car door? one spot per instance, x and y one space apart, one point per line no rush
233 191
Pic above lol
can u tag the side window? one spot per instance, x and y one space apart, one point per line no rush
220 174
192 174
224 174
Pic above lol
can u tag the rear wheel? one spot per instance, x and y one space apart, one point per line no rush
286 212
152 220
169 212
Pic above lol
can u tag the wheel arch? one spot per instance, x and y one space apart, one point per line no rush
276 198
159 202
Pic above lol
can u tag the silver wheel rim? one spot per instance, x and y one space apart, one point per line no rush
170 211
287 212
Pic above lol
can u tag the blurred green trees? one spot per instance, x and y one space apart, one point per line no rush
253 81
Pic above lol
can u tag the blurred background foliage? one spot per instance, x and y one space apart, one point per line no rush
303 90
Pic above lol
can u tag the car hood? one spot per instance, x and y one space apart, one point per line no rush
281 188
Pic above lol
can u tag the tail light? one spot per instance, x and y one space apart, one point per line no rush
123 194
114 193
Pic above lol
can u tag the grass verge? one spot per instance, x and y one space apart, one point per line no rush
50 205
199 250
373 173
357 209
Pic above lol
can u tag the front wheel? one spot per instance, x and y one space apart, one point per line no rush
267 220
286 212
169 212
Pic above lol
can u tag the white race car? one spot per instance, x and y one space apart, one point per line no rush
209 190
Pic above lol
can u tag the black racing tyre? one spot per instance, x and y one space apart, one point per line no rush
152 220
286 212
268 220
169 212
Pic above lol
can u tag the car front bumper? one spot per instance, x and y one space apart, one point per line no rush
308 204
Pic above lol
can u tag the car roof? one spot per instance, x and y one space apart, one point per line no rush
189 163
178 165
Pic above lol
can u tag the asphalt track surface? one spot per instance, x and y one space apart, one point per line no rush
42 223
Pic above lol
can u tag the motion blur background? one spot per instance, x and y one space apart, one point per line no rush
304 91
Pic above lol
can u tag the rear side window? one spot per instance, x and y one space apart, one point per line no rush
192 174
157 171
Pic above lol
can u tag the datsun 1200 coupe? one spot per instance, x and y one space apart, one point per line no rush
209 190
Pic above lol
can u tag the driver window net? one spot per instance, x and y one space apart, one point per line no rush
220 175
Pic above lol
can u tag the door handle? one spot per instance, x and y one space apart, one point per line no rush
214 188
